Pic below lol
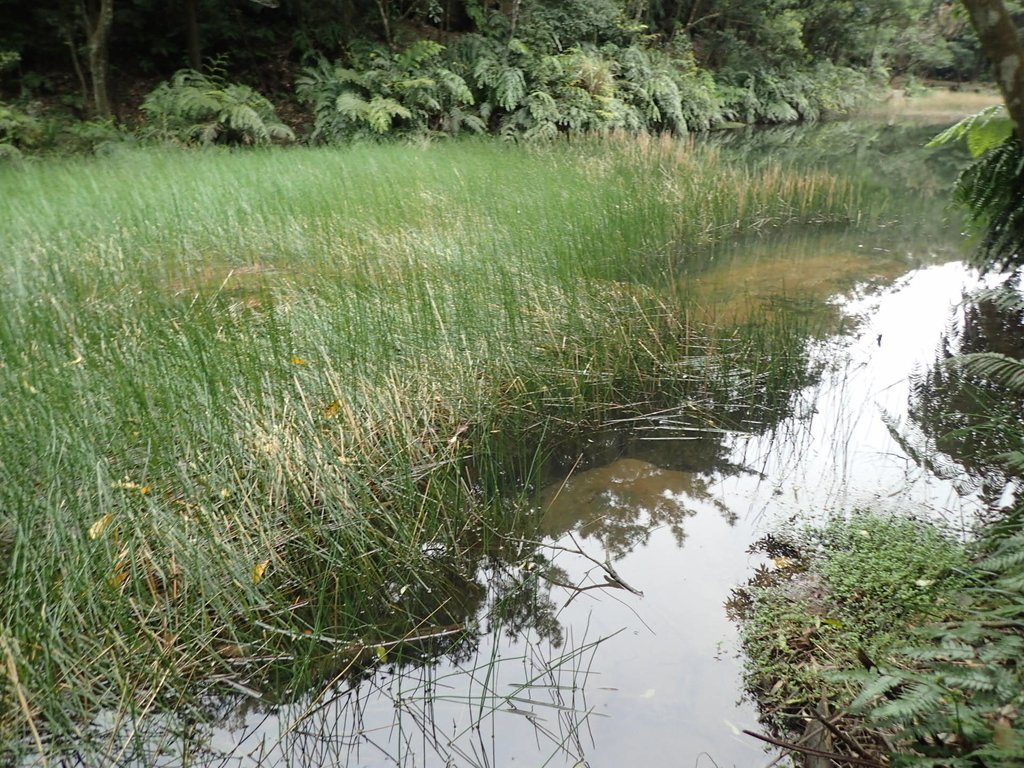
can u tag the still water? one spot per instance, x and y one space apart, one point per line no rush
621 653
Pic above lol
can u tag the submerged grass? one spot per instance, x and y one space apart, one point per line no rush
261 407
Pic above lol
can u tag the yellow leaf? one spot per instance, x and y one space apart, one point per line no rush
297 361
96 529
382 654
258 570
121 567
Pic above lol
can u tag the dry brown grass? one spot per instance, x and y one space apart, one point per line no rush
936 105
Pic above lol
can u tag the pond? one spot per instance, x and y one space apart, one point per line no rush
605 641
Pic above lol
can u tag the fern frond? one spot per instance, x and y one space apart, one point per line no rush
1003 297
245 120
510 87
455 86
992 190
983 131
879 686
1002 370
381 111
351 105
417 53
919 698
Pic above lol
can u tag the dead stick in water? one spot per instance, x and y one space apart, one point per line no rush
848 740
816 752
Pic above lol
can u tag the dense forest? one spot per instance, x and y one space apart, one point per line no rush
77 72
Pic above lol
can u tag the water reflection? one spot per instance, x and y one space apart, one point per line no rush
959 423
623 503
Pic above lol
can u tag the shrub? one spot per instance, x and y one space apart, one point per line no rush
793 95
412 92
18 131
197 108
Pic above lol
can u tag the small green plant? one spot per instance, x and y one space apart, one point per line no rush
846 598
882 571
197 108
955 695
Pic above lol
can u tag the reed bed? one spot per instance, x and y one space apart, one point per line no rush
261 407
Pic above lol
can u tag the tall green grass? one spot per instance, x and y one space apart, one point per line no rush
257 407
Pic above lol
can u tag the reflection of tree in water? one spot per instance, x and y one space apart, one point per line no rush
965 421
622 503
892 157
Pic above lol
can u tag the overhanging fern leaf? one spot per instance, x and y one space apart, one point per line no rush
877 687
983 131
1000 369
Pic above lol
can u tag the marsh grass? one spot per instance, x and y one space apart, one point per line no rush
265 407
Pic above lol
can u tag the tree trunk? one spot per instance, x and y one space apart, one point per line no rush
69 40
1001 42
97 29
195 56
385 17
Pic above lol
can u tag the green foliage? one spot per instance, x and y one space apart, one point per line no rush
881 571
958 688
556 25
197 108
8 60
670 92
855 588
19 131
982 131
791 94
26 132
411 92
1003 371
991 190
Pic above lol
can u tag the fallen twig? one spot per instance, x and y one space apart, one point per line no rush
816 752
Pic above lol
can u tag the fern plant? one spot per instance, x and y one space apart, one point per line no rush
789 95
197 108
18 131
991 189
956 697
385 93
